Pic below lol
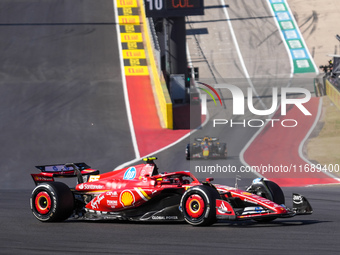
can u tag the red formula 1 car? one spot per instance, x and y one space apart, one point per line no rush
141 193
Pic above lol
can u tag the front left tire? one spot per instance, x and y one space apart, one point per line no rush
198 205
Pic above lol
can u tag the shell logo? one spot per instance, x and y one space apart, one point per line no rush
127 198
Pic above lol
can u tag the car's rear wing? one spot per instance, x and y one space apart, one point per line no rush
49 172
211 139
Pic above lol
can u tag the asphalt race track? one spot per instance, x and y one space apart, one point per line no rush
61 87
319 233
62 101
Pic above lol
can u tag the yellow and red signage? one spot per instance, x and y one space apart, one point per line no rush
131 38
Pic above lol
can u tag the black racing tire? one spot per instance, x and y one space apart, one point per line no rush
224 152
278 198
52 202
187 152
276 191
198 205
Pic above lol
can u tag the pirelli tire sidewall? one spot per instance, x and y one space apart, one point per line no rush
205 197
59 202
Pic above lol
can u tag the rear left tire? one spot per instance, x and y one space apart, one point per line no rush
51 202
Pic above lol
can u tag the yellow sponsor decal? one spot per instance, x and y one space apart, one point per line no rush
94 178
127 198
130 28
134 62
123 20
205 153
127 3
136 70
127 11
131 37
144 193
134 54
132 45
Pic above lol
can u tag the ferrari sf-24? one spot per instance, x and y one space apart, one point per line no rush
141 193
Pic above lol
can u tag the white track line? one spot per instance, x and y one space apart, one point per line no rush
291 75
172 144
248 79
239 53
126 97
138 158
162 149
283 40
155 152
